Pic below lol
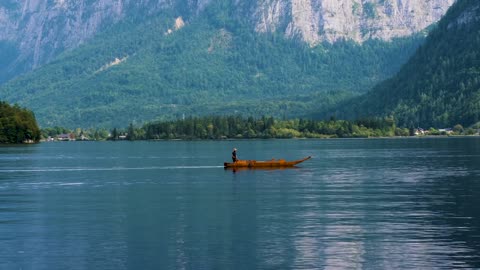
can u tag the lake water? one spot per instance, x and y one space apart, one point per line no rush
360 203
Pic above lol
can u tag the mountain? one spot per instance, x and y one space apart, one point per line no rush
34 32
440 84
192 58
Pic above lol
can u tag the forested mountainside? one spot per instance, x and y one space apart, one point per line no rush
440 84
162 60
136 73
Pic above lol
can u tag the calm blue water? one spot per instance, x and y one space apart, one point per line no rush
366 203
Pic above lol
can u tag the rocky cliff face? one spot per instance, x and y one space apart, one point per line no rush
316 21
41 29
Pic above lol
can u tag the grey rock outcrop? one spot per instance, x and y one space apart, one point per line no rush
316 21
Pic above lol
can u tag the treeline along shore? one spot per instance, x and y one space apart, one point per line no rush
18 125
236 127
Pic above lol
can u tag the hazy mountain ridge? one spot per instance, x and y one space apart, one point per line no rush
36 31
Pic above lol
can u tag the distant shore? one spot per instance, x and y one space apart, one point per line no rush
260 139
237 127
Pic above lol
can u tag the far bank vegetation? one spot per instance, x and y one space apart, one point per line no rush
236 127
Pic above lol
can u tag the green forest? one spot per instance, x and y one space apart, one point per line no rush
17 125
215 65
440 84
237 127
231 127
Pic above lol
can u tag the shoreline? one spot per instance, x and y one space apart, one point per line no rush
265 139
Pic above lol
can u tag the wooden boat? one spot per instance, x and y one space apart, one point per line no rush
279 163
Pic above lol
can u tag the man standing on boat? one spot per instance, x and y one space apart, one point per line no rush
234 155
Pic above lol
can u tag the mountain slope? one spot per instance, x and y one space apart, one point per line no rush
166 68
34 32
440 84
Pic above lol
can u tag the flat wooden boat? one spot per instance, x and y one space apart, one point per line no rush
274 163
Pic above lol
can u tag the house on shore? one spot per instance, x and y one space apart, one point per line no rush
420 131
446 131
66 137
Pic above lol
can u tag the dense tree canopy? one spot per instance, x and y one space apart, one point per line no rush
17 125
230 127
